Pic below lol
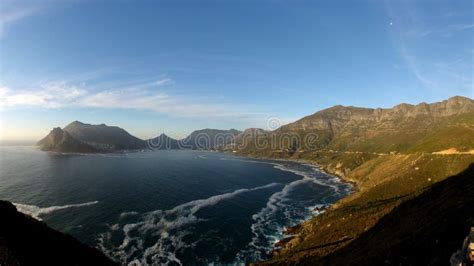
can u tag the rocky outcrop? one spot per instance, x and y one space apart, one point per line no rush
59 140
103 137
27 241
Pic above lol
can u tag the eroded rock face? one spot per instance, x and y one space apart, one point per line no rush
337 117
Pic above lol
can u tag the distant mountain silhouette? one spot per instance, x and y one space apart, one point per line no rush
163 142
403 128
206 139
87 138
103 137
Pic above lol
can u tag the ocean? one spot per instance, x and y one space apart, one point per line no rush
167 207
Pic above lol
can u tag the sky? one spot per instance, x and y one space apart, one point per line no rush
171 67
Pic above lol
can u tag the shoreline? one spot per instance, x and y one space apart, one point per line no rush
291 232
309 236
287 233
322 168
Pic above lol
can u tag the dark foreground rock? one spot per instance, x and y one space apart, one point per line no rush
27 241
425 230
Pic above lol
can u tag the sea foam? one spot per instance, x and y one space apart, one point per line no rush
266 231
166 227
35 211
157 236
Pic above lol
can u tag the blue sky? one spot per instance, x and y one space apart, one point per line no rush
175 66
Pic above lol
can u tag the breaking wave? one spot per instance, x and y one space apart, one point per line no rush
163 236
163 228
267 230
36 211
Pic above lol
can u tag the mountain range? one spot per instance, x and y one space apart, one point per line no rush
86 138
412 168
403 128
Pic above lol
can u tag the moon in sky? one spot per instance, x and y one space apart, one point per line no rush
391 23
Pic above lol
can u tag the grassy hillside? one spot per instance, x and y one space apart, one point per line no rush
401 129
392 157
384 183
424 230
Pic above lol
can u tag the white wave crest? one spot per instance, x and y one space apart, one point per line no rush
126 214
265 232
158 224
158 236
35 211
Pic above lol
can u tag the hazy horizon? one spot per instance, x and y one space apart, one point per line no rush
174 67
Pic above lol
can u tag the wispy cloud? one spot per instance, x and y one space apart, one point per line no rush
416 35
144 96
54 95
12 12
444 31
164 82
414 67
450 30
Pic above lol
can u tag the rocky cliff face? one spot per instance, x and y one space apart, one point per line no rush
26 241
338 117
61 141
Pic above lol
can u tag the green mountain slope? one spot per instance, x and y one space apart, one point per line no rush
424 230
392 156
206 139
403 128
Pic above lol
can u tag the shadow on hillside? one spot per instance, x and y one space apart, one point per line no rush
425 230
27 241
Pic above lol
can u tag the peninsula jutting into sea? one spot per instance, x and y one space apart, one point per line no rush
201 132
409 163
